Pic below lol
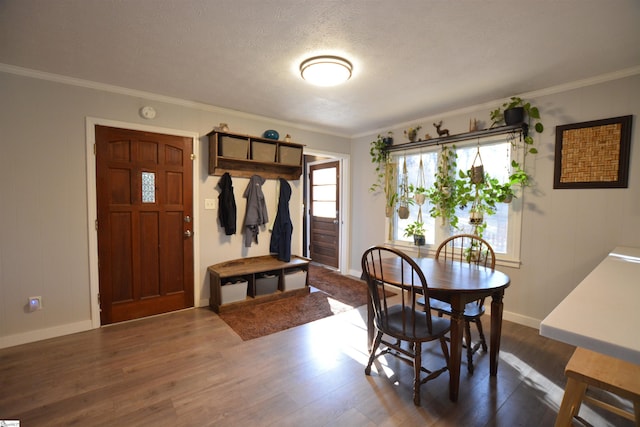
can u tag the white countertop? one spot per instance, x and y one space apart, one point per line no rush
603 312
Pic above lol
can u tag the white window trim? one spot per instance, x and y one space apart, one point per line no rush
511 259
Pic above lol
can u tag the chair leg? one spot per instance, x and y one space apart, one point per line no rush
372 356
467 338
417 368
573 395
445 350
483 341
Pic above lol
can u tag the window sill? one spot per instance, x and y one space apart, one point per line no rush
430 251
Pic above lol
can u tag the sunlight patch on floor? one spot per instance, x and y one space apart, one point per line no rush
337 306
552 393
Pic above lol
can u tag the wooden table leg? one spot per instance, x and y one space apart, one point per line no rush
457 332
496 332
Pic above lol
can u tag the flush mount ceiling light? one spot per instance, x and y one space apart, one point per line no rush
326 70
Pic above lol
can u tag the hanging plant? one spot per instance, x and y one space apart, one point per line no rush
477 169
380 158
482 198
442 194
391 195
405 199
419 192
531 115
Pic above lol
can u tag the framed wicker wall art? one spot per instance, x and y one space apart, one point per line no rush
593 154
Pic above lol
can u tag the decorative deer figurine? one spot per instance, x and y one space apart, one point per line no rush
443 132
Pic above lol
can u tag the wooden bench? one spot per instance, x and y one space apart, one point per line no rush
250 269
589 369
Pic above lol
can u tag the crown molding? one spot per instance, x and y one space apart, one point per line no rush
73 81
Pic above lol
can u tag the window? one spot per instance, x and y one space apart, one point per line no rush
503 228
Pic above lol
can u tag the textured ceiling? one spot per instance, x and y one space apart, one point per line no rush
412 58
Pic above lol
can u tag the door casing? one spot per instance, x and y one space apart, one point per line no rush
92 214
345 197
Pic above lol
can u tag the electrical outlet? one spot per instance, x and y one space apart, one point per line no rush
210 204
35 303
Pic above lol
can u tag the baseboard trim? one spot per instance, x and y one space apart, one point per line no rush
43 334
520 319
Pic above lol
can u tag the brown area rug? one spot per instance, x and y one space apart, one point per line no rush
337 294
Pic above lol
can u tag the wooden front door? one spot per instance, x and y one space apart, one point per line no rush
324 213
145 210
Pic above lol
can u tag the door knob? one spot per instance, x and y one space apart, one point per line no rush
335 221
188 233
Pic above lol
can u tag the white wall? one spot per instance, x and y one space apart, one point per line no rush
44 241
44 246
566 233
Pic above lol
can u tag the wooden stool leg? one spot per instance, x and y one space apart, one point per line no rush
573 395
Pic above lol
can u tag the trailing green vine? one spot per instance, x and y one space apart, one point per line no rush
442 195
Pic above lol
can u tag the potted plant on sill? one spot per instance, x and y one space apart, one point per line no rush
474 254
416 229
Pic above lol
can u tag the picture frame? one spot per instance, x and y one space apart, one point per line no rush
593 154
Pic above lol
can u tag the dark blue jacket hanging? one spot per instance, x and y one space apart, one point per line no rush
282 227
227 205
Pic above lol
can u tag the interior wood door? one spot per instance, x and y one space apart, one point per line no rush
145 203
324 213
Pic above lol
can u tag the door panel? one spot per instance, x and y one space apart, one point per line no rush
324 213
145 198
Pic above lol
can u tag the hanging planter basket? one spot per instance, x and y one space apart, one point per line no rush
420 197
476 218
477 169
403 212
388 211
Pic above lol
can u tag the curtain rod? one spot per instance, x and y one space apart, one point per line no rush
522 128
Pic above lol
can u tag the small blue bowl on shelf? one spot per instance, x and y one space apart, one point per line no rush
271 134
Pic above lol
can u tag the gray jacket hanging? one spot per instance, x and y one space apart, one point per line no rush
256 213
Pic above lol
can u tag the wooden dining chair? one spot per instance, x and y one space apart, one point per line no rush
474 250
403 321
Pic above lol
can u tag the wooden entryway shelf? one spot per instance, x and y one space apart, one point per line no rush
245 156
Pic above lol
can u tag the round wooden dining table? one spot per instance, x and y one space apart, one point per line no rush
457 284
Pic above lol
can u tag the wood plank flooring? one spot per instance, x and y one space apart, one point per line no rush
190 369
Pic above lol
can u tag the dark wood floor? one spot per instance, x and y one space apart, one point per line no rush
190 369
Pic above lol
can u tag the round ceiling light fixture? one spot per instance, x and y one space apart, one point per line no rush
326 70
